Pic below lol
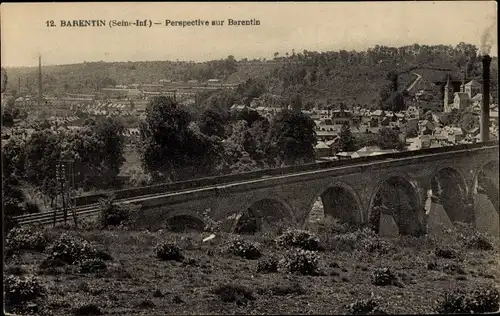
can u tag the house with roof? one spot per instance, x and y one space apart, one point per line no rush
412 112
472 88
420 142
340 117
378 114
322 150
455 135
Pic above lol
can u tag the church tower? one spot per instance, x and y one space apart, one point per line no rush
462 86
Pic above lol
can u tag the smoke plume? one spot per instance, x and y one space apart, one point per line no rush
487 39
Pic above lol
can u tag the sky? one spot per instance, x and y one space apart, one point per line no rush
283 26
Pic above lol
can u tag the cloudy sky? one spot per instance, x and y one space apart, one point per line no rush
283 27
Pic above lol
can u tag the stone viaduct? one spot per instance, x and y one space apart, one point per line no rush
395 183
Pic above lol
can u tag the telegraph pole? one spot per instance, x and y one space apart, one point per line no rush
65 188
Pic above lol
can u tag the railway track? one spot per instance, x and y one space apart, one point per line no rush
45 218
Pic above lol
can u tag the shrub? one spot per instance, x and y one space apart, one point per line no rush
300 261
234 293
364 307
146 304
267 265
247 224
19 290
87 309
383 277
112 214
157 293
479 241
362 238
445 252
168 251
298 238
92 265
373 245
70 250
26 238
332 225
479 300
103 255
244 249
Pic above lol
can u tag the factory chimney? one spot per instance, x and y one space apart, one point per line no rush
485 109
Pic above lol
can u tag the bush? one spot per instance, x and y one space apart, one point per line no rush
267 265
19 290
234 293
479 300
332 225
383 277
92 265
298 238
362 238
103 255
26 238
445 252
364 307
168 251
87 309
479 241
244 249
300 261
372 245
70 250
247 224
146 304
112 214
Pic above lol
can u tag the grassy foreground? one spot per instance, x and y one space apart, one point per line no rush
210 281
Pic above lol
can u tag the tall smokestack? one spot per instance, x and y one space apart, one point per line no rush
485 110
40 97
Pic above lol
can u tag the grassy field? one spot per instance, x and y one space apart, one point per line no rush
211 281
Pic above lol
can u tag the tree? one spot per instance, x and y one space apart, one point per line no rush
212 123
7 118
292 138
109 133
219 102
173 147
347 141
236 159
251 138
469 121
250 116
43 150
389 139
